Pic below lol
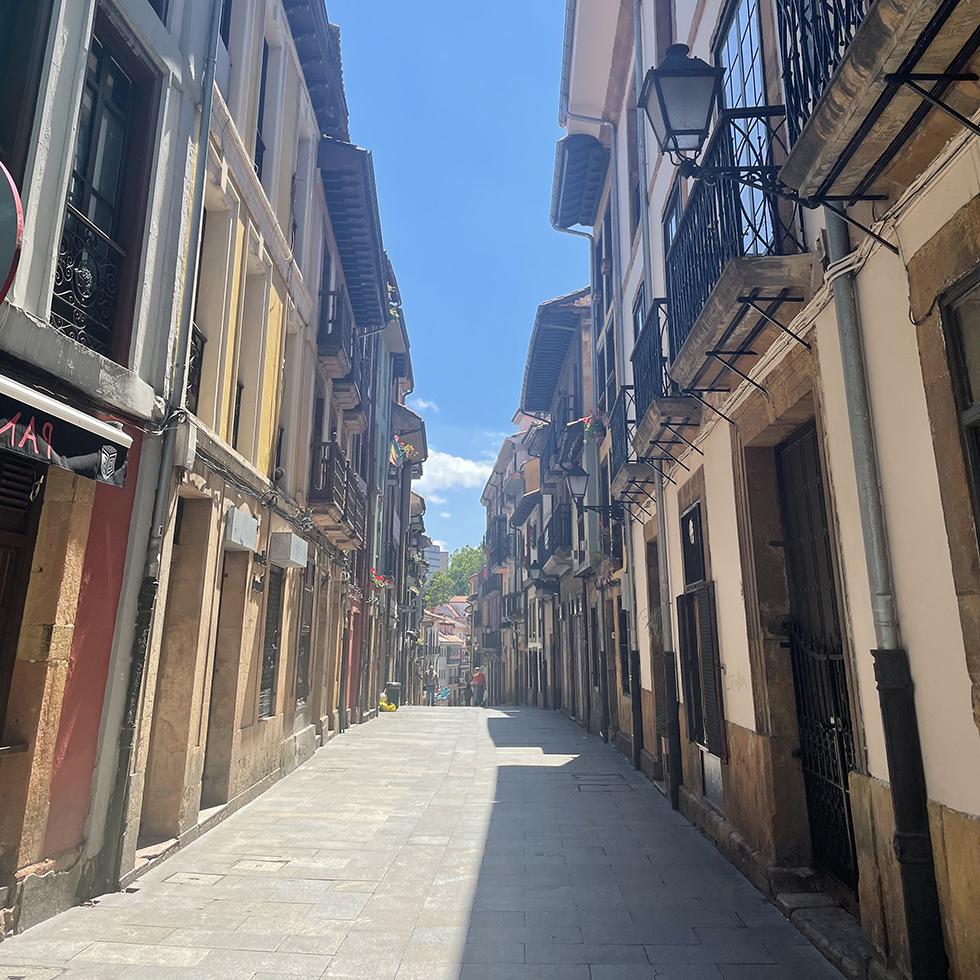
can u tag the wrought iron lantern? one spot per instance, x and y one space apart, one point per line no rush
679 100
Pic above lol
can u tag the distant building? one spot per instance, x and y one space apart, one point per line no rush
437 558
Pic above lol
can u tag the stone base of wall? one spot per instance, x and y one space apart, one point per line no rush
298 748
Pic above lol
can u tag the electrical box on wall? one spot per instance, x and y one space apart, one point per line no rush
241 530
287 550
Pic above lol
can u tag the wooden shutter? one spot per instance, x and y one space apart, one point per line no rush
711 682
687 642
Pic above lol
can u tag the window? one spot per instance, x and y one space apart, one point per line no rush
23 38
106 194
160 6
624 648
633 159
692 546
259 156
271 641
663 16
962 319
225 23
672 218
305 636
639 311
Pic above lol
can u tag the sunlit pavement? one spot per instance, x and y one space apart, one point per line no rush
437 843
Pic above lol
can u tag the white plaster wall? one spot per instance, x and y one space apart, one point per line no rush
726 571
929 614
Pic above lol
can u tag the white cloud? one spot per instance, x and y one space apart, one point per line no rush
440 544
443 471
422 405
434 498
446 514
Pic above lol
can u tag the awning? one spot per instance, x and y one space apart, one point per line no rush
352 200
45 430
411 427
581 162
554 326
525 508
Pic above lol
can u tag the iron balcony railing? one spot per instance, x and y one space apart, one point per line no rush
87 281
515 606
622 423
195 367
725 220
557 537
355 511
650 359
611 541
329 476
814 36
491 641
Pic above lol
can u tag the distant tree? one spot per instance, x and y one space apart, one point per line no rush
466 561
440 588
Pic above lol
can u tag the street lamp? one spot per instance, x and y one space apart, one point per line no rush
578 482
679 99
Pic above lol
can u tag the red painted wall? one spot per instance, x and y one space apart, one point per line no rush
88 665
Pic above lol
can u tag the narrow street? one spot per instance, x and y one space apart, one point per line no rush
437 843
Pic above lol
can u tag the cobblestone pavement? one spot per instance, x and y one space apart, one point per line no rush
436 843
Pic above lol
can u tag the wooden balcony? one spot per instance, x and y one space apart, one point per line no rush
555 544
335 336
337 498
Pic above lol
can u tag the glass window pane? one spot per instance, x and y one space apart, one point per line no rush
968 322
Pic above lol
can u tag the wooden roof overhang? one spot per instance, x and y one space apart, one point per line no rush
352 200
581 163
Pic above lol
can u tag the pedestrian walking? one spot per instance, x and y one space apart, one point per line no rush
479 683
431 681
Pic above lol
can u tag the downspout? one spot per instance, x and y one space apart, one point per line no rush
663 567
110 855
896 691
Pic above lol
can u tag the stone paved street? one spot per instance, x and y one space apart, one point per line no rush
437 843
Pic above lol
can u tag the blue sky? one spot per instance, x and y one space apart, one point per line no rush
459 104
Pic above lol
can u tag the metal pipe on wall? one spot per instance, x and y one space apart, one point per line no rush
110 855
663 567
896 692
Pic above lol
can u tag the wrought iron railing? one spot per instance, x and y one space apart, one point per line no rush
557 537
622 423
813 37
515 606
355 509
329 476
87 281
650 359
725 220
549 455
195 367
611 540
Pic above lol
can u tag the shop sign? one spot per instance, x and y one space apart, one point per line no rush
37 426
11 229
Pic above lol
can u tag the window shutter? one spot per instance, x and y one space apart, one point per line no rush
711 683
689 656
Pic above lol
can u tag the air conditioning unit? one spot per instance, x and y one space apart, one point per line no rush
288 550
241 530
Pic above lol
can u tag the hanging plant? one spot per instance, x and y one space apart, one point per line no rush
381 581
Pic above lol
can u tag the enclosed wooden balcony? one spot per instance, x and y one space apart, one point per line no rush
335 336
872 90
555 544
336 497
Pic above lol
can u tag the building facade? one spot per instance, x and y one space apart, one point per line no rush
782 369
211 555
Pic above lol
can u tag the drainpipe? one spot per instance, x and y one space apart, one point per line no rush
896 692
110 855
663 568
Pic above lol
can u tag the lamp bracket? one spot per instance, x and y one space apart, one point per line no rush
766 180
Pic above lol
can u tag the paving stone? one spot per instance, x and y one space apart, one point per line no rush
497 845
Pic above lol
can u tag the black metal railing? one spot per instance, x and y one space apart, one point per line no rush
622 424
650 359
515 606
195 367
87 281
491 641
725 220
355 509
814 35
329 476
549 455
557 537
611 541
